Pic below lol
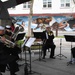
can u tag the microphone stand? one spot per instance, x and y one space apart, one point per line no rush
60 55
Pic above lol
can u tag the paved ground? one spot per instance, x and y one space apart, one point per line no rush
49 66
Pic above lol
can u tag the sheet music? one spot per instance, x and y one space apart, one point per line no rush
30 42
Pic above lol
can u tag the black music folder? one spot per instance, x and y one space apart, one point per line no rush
20 36
70 38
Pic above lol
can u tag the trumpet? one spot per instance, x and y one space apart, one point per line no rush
7 42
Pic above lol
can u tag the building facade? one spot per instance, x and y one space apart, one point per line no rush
45 7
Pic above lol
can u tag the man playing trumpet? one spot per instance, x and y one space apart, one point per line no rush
47 38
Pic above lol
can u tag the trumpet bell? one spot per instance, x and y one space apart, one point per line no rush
16 31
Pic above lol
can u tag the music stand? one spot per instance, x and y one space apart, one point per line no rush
20 36
39 35
70 38
27 44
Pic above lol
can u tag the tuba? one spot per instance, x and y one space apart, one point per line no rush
7 42
16 31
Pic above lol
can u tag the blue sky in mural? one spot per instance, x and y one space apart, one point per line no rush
26 20
56 18
61 18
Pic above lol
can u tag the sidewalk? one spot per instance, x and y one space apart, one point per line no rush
51 66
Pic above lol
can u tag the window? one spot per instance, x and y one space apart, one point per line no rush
12 7
26 5
65 3
4 0
47 3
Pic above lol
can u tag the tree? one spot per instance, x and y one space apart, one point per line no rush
30 18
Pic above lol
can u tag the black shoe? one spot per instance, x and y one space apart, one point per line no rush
0 73
13 74
52 57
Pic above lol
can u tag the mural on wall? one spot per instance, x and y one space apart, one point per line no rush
39 22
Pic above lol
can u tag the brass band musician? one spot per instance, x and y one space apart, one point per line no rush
8 55
73 54
47 38
13 49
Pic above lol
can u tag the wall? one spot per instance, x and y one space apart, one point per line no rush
37 8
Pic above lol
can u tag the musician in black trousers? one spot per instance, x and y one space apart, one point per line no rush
6 57
73 54
47 38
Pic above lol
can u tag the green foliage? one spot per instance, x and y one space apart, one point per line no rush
35 47
59 37
19 43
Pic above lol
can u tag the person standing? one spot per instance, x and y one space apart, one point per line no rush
12 27
47 38
23 25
